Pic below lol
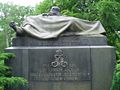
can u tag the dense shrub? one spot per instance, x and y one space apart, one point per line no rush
2 41
6 78
116 78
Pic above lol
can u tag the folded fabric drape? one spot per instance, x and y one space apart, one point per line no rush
45 27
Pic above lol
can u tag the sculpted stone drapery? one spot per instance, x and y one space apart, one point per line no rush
52 25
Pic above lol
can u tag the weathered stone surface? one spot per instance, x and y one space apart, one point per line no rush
103 61
62 41
87 68
64 63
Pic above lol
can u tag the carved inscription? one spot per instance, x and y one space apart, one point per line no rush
48 73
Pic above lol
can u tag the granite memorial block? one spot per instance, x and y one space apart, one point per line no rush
64 63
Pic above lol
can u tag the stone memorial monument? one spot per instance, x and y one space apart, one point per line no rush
62 53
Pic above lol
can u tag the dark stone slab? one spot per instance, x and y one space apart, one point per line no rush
77 68
63 63
62 41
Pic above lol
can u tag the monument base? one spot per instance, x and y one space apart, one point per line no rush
64 67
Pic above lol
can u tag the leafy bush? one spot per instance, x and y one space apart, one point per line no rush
116 78
2 41
43 7
6 78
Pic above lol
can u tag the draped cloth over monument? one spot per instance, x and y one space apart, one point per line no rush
45 27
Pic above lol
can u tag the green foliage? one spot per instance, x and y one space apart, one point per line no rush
43 7
109 15
6 78
68 7
2 42
5 71
13 82
116 78
6 56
